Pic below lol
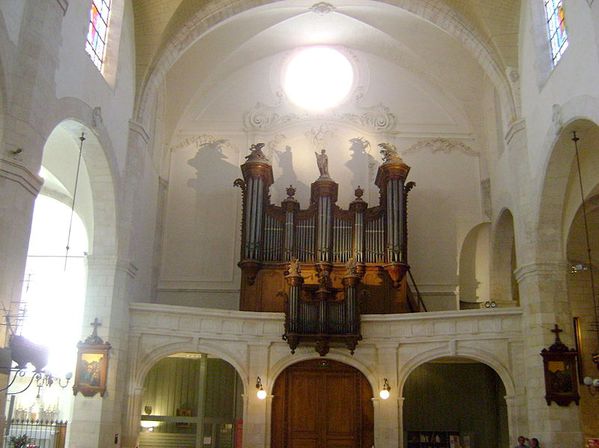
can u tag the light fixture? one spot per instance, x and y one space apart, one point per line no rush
592 384
24 352
261 394
149 425
384 393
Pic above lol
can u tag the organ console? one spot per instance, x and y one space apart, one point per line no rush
324 266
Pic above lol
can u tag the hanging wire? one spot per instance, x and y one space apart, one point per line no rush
66 256
595 324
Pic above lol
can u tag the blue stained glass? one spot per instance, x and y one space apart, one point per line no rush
97 31
556 27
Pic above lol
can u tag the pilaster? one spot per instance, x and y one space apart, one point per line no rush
255 431
388 426
544 298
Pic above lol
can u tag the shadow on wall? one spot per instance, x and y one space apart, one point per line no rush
213 175
361 163
288 177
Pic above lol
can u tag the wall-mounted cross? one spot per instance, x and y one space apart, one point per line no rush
557 330
96 323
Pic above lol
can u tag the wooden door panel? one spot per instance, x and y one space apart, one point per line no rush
341 443
304 443
302 417
322 404
341 404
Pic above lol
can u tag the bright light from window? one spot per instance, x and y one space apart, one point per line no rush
52 296
318 78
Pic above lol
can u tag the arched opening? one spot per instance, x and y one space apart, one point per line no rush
191 399
451 402
474 268
582 303
322 402
54 283
74 209
504 288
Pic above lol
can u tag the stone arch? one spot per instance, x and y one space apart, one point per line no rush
504 414
481 356
579 112
474 266
581 301
290 359
145 361
99 156
188 24
504 261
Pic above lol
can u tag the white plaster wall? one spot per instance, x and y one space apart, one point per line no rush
12 13
78 77
575 76
393 346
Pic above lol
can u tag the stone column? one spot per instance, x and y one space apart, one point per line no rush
132 426
387 428
255 420
544 300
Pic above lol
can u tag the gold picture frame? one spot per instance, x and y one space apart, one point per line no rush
92 365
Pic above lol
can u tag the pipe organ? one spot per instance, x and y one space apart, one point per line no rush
324 266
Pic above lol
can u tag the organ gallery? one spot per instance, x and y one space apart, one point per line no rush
324 266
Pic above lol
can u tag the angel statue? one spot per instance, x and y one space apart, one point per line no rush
295 269
256 153
389 152
351 267
322 160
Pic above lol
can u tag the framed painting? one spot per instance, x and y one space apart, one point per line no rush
559 365
92 365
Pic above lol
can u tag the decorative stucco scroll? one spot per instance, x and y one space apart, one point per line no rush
200 141
322 8
377 118
264 117
444 145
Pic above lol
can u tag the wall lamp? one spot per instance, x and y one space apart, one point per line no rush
384 393
592 384
261 394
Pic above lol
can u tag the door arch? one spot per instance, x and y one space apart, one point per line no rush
320 403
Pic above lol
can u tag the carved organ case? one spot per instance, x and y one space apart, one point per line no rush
324 266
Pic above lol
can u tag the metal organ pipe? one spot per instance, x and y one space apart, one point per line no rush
288 235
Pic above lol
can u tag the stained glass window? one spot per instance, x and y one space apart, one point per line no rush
97 31
556 26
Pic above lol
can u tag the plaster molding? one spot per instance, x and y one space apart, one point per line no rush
444 145
201 140
64 5
322 8
16 171
140 130
514 128
545 269
263 117
486 203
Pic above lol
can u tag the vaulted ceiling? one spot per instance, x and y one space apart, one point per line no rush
437 56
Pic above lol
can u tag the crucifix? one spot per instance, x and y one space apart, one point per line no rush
96 323
557 330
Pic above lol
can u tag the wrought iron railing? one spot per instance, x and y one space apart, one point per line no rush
40 433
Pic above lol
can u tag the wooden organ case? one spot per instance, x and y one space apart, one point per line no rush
324 266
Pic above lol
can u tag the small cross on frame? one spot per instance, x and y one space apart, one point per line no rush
96 323
94 338
557 330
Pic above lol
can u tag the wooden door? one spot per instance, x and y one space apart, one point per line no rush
322 404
